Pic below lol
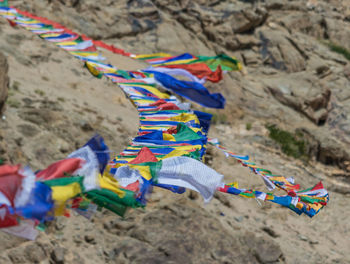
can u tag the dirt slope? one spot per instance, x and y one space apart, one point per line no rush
291 79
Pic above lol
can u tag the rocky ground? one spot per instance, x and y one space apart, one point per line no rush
296 77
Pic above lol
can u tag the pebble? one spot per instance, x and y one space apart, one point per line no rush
303 238
239 218
90 239
270 231
57 255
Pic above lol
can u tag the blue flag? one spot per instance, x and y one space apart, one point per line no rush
191 90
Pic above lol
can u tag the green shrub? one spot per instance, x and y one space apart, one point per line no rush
13 103
15 86
248 126
218 118
291 144
339 49
39 92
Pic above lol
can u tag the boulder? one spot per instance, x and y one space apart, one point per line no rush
303 93
280 51
264 248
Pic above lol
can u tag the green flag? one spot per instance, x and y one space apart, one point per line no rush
3 3
185 133
227 63
108 199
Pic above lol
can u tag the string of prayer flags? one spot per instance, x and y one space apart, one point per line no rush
166 153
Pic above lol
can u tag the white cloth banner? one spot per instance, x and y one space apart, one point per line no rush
179 171
80 46
125 176
177 72
190 173
25 229
90 169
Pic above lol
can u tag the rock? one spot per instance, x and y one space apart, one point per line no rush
331 153
321 70
190 237
313 100
3 155
338 32
248 19
34 253
8 241
270 231
137 251
60 224
28 130
250 58
77 239
340 187
247 41
4 81
263 247
193 195
39 116
311 24
347 71
303 238
58 255
16 255
70 3
177 40
123 225
239 218
5 259
223 34
27 101
86 126
280 51
223 199
90 239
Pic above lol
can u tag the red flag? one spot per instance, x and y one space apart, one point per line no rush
135 187
10 181
92 48
159 102
163 105
44 20
200 70
7 220
139 73
58 169
172 130
168 106
111 48
12 24
144 155
66 30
